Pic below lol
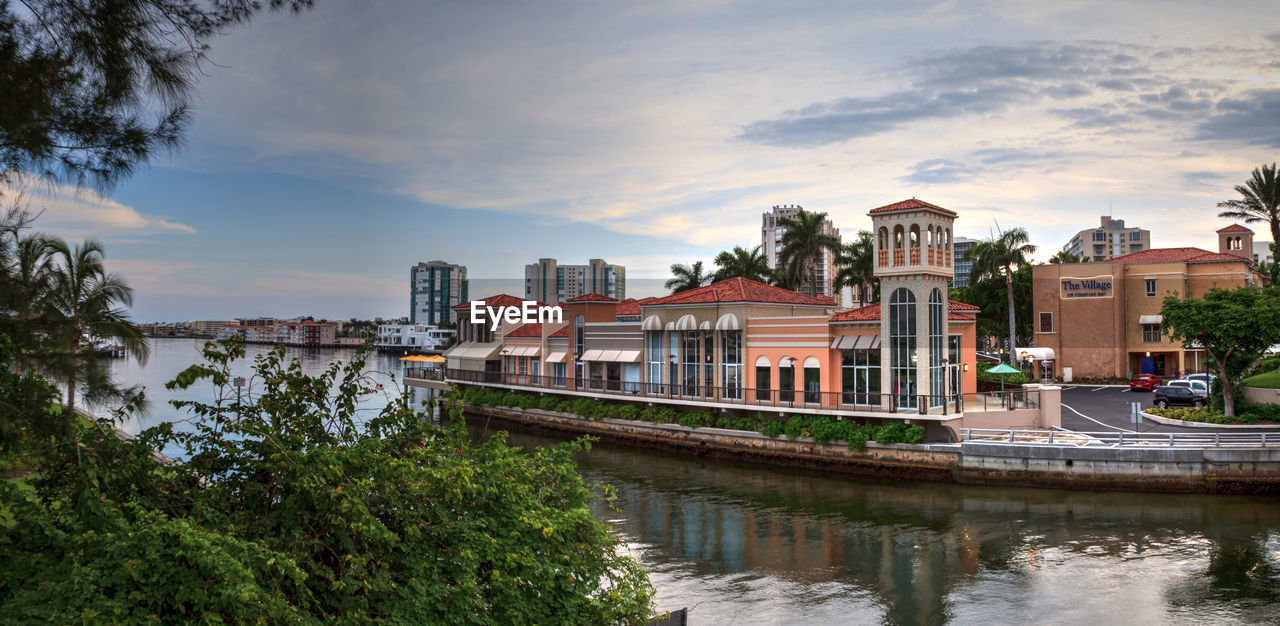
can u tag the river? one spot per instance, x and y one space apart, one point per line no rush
748 544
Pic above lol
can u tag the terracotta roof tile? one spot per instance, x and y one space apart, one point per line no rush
1235 228
871 312
592 297
1176 255
501 299
910 204
528 330
740 290
563 332
630 306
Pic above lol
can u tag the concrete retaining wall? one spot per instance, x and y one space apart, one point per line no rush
1258 395
1151 468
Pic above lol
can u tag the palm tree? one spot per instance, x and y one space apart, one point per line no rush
742 263
1259 200
687 277
856 267
1063 257
1001 256
85 298
804 239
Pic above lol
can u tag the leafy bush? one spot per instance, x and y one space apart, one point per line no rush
1249 414
292 508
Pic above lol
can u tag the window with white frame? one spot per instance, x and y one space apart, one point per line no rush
1151 287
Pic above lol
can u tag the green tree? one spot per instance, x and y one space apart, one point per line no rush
804 239
686 277
86 300
855 267
1063 257
291 506
1234 328
741 263
989 294
81 78
1001 256
1259 201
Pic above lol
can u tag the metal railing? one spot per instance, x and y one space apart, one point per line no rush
749 397
425 373
1122 439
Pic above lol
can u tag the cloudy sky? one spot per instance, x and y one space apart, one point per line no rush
334 149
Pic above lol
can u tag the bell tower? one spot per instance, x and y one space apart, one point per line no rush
1236 239
913 260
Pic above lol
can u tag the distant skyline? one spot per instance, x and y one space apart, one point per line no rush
334 149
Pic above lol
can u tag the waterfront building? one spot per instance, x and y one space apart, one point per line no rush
254 321
1103 319
771 232
434 288
228 331
306 333
548 281
1109 240
963 265
479 343
207 328
413 337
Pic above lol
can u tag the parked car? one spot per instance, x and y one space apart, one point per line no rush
1144 381
1179 396
1207 378
1198 386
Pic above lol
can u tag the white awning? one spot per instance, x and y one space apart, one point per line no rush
556 357
608 355
629 356
521 351
1038 354
670 326
651 323
687 322
591 355
1150 319
705 325
856 342
482 351
728 321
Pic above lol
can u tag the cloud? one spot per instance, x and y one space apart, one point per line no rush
936 171
76 213
1252 118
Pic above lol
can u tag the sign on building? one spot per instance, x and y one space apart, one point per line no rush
1092 287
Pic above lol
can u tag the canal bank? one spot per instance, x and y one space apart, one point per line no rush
1075 464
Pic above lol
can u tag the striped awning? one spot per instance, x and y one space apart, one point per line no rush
521 351
856 342
556 357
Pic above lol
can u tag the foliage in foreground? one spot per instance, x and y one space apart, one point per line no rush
823 428
290 509
1249 414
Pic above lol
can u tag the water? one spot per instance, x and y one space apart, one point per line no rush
747 544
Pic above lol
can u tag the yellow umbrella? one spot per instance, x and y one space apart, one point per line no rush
435 359
416 357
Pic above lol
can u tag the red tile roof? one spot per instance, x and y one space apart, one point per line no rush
740 290
528 330
1235 228
563 332
1176 255
501 299
630 306
910 204
871 312
592 297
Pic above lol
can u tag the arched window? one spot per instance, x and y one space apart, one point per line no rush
937 338
764 382
812 380
902 347
882 249
915 244
899 257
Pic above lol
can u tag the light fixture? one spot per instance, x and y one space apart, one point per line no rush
1148 353
966 367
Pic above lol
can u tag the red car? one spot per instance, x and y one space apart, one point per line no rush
1148 382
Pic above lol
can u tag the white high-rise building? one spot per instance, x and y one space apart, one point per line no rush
549 282
771 245
433 288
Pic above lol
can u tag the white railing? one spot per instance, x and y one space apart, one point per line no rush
1123 439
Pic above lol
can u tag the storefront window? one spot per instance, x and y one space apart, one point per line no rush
937 338
731 362
860 377
902 347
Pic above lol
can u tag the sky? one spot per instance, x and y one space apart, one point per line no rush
332 150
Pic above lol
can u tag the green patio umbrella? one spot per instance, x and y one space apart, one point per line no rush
1003 369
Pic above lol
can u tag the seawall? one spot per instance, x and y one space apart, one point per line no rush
1146 468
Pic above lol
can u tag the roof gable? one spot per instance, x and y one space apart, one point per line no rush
1177 255
528 330
740 290
592 297
1235 228
910 204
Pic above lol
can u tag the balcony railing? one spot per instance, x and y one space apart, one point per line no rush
915 255
761 398
899 257
884 258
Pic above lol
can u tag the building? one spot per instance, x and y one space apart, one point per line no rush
1109 240
771 245
548 281
963 265
1102 320
413 337
207 328
434 289
1262 252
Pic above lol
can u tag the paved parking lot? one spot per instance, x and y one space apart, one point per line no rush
1105 409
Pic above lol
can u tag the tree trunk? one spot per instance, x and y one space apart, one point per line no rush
71 377
1008 288
1228 398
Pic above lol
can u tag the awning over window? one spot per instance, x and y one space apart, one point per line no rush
1150 319
482 351
1038 354
591 355
519 351
856 342
612 356
556 357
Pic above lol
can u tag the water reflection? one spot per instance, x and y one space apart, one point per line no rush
749 544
